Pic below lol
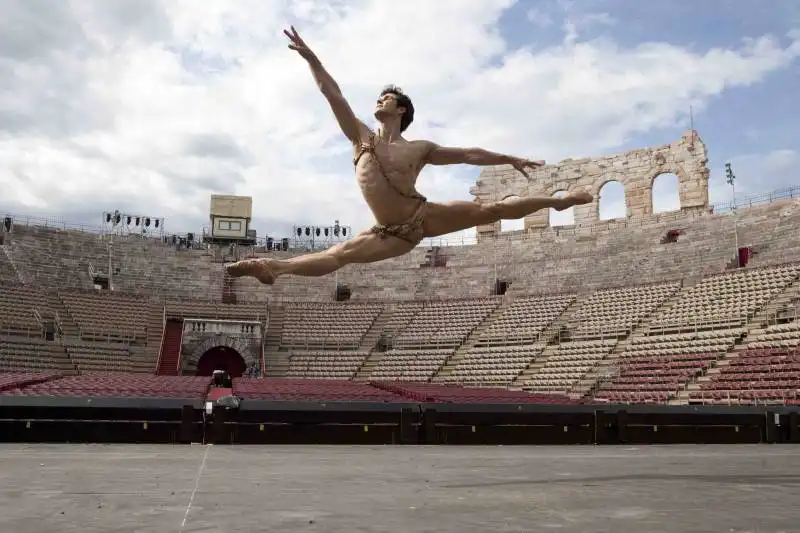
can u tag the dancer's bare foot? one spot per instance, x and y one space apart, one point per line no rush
261 269
573 199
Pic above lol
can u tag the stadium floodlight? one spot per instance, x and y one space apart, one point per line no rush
730 179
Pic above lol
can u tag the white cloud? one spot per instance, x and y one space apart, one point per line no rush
152 106
539 17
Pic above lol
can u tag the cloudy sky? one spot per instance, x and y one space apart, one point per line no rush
150 106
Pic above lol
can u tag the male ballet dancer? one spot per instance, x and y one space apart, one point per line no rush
387 166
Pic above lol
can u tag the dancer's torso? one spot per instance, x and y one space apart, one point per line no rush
389 183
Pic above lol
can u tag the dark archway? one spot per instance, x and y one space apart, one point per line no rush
221 358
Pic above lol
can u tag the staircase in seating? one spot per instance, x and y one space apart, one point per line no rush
550 336
170 356
757 325
606 369
373 334
275 361
472 340
7 260
155 332
228 290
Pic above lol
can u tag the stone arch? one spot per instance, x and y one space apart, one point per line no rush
557 219
685 157
665 192
612 202
240 346
221 358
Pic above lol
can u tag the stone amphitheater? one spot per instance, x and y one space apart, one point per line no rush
693 306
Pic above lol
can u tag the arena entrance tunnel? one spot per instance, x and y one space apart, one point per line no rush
222 358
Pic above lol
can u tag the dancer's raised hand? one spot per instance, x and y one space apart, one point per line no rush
297 44
522 164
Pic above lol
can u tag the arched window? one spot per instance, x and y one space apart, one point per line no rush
666 193
611 204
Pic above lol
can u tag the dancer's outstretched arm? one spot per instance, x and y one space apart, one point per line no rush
441 155
354 129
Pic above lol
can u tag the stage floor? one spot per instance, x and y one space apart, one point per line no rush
276 489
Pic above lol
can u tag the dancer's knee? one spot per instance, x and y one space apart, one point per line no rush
494 211
340 255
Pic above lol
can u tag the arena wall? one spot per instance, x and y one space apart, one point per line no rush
636 170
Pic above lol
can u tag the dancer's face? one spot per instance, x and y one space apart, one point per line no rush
386 107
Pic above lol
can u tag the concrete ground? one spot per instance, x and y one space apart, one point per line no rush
276 489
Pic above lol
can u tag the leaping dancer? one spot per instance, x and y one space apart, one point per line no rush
387 167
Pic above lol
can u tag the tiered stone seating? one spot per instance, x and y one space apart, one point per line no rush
325 364
726 300
20 353
655 367
311 390
615 312
617 258
118 385
57 258
326 325
411 365
444 323
7 272
525 318
108 357
767 371
108 316
570 362
214 310
771 233
17 306
400 316
492 366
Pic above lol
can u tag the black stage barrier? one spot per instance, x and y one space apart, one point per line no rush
100 420
48 419
265 422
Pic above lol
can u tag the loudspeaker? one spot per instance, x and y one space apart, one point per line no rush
7 223
285 244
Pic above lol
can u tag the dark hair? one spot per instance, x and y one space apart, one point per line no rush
402 101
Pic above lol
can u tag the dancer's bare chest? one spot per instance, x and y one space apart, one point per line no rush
390 167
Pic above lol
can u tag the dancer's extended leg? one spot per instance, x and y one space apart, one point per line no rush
366 247
441 219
